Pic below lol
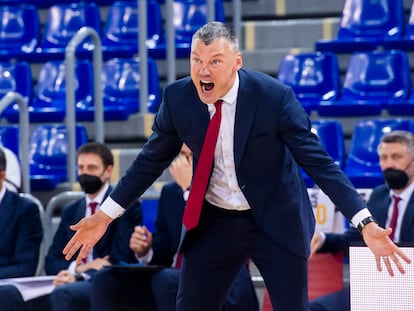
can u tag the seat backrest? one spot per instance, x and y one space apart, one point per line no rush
9 138
51 87
16 77
374 75
332 138
65 19
122 83
313 76
122 26
19 28
372 19
365 139
190 15
48 147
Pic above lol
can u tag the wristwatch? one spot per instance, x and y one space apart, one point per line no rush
365 222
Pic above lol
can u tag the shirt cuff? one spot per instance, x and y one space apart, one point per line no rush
111 208
146 258
358 217
72 268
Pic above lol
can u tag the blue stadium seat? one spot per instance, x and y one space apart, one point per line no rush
19 30
366 25
63 22
189 16
9 137
120 33
16 77
373 80
49 100
121 86
362 164
48 155
332 139
314 77
405 42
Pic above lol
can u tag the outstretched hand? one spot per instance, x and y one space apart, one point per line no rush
376 238
88 232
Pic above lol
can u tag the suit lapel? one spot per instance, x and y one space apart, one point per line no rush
200 119
245 111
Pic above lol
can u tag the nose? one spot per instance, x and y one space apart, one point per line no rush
204 70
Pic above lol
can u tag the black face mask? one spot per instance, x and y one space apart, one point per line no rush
90 183
395 179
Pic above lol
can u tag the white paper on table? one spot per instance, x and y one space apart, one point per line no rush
31 287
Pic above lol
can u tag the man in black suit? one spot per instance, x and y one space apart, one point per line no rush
256 203
396 154
117 290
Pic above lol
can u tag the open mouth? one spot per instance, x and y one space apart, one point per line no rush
206 86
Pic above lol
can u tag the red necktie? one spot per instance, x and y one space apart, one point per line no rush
92 206
394 217
199 186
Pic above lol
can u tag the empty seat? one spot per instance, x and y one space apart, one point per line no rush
188 17
49 100
120 33
365 25
332 139
19 31
362 164
48 155
373 80
314 77
405 42
9 138
121 83
15 77
63 22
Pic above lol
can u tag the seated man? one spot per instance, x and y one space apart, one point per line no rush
120 290
72 292
396 154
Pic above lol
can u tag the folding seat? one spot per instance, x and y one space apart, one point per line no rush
49 100
120 33
48 155
188 17
15 77
362 164
121 86
365 25
405 42
314 77
19 29
63 22
373 80
332 139
9 138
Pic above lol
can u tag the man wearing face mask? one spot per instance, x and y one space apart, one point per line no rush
391 204
72 292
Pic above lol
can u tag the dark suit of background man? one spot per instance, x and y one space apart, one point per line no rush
396 154
256 205
21 231
119 290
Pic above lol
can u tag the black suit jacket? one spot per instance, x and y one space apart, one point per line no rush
378 204
114 243
21 233
272 135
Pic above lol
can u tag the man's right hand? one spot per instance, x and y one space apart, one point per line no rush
88 232
316 242
140 241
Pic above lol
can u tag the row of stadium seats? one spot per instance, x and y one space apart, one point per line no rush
368 25
48 150
24 39
47 102
374 81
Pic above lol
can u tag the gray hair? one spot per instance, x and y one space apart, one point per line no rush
216 30
399 136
